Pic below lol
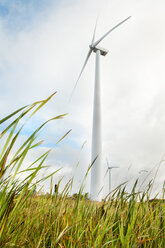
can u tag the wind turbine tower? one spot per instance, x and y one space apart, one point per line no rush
96 157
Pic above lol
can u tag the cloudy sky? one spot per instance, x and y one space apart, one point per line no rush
43 44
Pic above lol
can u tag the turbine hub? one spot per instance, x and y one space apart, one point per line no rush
102 50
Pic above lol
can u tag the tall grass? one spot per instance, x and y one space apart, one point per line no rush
59 220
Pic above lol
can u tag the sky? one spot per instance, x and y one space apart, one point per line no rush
43 47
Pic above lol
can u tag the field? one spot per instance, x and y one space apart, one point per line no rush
60 221
30 219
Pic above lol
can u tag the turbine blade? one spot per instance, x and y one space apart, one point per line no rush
106 172
94 33
113 167
107 162
97 42
86 60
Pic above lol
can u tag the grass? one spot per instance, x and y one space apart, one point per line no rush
29 219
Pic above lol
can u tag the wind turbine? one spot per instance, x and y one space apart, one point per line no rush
109 170
96 158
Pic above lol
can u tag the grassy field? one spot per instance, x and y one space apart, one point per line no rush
29 219
61 221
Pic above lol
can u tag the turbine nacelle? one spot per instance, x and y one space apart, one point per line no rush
102 50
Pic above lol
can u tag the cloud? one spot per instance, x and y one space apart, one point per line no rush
46 53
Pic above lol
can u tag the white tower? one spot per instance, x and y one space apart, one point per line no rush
96 157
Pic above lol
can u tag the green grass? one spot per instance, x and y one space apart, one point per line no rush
28 219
